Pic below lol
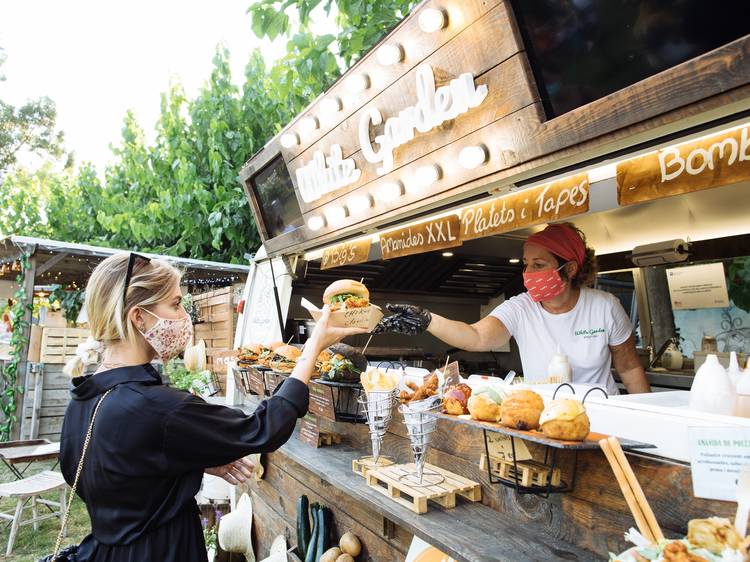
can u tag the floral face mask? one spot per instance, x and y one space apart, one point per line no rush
169 337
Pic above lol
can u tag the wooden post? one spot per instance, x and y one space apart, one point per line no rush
28 288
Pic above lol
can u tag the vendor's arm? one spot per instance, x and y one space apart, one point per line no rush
489 333
628 366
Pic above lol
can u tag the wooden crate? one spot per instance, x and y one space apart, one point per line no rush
363 465
388 481
216 320
59 344
530 472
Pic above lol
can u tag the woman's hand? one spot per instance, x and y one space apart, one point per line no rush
235 472
324 335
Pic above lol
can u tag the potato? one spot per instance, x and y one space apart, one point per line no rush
345 558
331 555
350 544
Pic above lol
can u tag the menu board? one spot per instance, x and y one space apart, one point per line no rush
309 431
437 234
698 286
255 381
321 401
222 359
549 202
711 162
348 253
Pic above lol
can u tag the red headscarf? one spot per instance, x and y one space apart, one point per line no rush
561 240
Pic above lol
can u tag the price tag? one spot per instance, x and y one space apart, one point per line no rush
321 401
717 456
309 431
256 382
500 447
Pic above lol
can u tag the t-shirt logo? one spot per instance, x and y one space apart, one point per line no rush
590 333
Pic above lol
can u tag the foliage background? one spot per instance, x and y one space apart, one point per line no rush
179 195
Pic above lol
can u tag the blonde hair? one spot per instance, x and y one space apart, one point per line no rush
151 282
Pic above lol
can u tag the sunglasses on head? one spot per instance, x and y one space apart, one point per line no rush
129 274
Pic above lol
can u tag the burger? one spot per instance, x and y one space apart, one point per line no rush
344 364
285 358
346 294
267 353
250 354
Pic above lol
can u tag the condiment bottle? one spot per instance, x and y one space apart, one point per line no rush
712 390
742 402
734 371
558 369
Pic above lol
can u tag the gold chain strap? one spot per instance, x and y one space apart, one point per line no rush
78 475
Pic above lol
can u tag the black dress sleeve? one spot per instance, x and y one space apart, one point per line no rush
199 435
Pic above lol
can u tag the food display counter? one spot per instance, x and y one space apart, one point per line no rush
423 184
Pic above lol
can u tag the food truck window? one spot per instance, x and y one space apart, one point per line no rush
621 285
274 194
574 46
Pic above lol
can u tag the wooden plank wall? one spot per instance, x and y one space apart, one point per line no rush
216 325
594 516
55 398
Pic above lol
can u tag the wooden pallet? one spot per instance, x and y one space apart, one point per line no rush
388 481
530 472
326 439
365 464
59 344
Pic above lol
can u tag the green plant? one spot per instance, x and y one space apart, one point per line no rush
739 282
69 300
183 379
18 343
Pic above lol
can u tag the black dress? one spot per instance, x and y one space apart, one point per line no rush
146 458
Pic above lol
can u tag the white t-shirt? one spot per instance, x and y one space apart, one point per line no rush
584 334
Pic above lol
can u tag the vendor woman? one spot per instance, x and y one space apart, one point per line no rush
559 310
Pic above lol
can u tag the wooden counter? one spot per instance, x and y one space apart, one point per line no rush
582 525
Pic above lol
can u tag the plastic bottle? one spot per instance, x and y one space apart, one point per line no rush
558 369
742 402
734 371
712 390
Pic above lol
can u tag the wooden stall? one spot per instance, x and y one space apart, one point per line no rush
421 172
216 321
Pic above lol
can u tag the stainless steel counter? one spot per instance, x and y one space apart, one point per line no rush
667 380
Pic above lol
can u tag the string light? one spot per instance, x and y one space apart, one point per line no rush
331 105
390 54
472 157
432 20
288 140
357 83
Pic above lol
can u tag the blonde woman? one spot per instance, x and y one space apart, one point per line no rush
151 443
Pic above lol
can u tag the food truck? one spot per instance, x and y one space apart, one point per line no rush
421 172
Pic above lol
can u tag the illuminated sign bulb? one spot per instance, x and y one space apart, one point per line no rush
288 140
391 191
316 223
308 125
360 203
427 175
390 53
432 20
358 83
331 105
336 214
472 157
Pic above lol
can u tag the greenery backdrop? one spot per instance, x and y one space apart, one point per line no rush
179 195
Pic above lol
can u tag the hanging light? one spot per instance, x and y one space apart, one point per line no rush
432 20
389 192
427 175
472 157
331 105
316 223
357 83
359 203
390 53
514 260
288 140
447 254
308 124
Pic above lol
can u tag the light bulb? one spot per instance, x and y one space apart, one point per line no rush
447 254
360 203
357 83
288 140
427 175
391 191
336 214
316 223
432 20
514 260
331 105
308 125
472 157
390 53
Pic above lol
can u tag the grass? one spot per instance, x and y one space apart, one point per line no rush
30 545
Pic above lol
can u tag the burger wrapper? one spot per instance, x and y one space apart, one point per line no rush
366 317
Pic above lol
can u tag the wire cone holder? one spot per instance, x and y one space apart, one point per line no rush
420 425
378 407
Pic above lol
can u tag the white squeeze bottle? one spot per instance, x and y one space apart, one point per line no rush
712 390
558 369
742 403
734 371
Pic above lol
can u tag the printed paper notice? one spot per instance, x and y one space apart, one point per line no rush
698 286
717 455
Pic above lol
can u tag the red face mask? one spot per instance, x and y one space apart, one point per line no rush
544 285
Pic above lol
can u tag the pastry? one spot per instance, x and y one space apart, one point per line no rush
522 409
714 534
483 408
456 398
565 419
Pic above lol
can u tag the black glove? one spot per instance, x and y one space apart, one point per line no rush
406 319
